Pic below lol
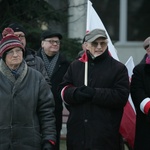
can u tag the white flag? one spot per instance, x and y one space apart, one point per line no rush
93 22
127 127
130 65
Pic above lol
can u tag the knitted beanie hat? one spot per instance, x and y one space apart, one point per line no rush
9 41
17 27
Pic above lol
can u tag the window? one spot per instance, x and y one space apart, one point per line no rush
138 15
138 20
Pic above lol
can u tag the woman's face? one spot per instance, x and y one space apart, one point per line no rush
14 57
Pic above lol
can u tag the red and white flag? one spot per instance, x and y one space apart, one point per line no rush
127 127
93 22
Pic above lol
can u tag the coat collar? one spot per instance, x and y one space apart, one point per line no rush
22 70
87 56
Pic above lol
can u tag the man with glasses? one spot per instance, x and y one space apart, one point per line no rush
95 89
30 56
56 65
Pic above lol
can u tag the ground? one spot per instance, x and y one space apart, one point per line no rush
63 145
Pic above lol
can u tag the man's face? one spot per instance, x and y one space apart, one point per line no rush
51 45
21 37
97 47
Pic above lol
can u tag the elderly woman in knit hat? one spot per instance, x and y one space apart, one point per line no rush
27 121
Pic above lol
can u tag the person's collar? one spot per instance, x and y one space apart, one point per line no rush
102 56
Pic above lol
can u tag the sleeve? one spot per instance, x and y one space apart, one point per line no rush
145 105
117 94
66 88
67 94
46 106
139 95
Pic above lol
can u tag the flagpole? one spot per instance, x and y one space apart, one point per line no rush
86 73
87 30
88 16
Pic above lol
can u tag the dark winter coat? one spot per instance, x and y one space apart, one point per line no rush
36 63
95 124
26 109
59 71
140 89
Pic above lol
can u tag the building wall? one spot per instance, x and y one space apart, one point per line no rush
77 18
134 49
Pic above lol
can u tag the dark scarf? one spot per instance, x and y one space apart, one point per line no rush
50 65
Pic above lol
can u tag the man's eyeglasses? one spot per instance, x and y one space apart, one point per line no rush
11 52
53 42
102 44
21 36
147 46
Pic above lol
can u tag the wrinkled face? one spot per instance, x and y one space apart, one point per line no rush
14 57
97 47
51 45
21 37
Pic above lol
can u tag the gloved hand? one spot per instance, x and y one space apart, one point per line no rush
48 146
88 90
84 94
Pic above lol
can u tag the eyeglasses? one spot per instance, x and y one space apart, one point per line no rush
147 46
21 36
53 42
11 52
102 44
